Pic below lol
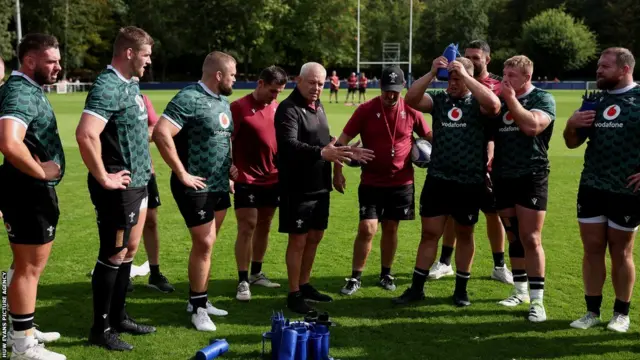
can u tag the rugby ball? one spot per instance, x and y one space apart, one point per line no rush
421 153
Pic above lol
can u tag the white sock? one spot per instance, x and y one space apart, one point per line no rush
537 294
9 276
22 340
522 287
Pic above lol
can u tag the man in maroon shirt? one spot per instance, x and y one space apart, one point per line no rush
386 193
352 83
479 53
362 88
256 195
335 86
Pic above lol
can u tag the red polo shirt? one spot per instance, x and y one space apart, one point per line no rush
254 141
368 121
493 84
353 82
335 82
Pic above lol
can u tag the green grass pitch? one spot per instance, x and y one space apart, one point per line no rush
369 327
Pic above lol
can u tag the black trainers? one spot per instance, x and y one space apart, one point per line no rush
130 326
311 294
461 299
160 283
130 286
296 303
351 286
109 340
409 296
386 282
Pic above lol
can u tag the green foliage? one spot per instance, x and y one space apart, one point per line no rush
556 42
7 9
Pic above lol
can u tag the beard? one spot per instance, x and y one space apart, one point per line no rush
477 69
606 84
224 90
41 76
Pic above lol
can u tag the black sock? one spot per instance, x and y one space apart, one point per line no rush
384 271
445 254
197 300
593 303
243 276
21 322
621 307
256 267
498 259
462 278
419 278
519 275
102 284
155 269
356 274
116 312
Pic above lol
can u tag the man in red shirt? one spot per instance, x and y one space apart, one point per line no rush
479 53
335 86
362 89
352 87
386 193
256 194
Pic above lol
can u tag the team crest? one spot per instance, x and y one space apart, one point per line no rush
611 112
507 119
224 120
455 114
140 102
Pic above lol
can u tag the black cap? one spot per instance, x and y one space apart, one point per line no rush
392 79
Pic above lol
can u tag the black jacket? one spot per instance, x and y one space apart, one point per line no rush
301 133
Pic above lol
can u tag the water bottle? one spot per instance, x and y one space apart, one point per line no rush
450 53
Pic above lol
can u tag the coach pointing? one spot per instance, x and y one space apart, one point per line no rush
305 153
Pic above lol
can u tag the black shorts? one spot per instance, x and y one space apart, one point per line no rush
154 194
30 212
362 90
223 203
488 205
298 215
197 208
334 91
449 198
620 211
116 210
387 203
351 90
249 196
529 191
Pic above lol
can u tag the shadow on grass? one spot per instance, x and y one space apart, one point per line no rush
431 329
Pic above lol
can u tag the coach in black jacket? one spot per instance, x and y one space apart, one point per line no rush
305 153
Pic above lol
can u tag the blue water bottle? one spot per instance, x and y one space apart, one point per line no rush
450 53
217 348
589 101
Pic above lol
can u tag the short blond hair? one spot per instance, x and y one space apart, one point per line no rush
468 65
624 57
216 61
521 62
131 37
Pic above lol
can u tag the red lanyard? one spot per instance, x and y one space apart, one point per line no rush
395 127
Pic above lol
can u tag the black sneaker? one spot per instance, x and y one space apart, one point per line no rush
461 299
351 286
311 294
386 282
130 326
296 303
109 340
409 296
130 286
160 283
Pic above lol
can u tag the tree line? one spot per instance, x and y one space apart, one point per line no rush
563 37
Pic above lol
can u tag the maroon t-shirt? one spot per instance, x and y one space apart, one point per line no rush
493 84
368 121
254 141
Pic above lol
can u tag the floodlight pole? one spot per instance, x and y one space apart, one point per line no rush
358 48
18 27
409 79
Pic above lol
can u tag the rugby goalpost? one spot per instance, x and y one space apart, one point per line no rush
390 51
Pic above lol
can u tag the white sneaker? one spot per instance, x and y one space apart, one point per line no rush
243 293
35 351
211 310
588 321
515 299
262 280
439 270
502 274
619 323
201 321
537 313
42 337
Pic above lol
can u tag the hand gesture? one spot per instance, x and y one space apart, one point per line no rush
190 181
456 66
233 172
339 182
50 168
581 119
336 154
439 63
232 187
117 181
361 154
507 90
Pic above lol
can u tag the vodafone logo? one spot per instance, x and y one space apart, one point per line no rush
507 119
224 120
611 112
455 114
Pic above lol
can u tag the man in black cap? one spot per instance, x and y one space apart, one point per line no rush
386 193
